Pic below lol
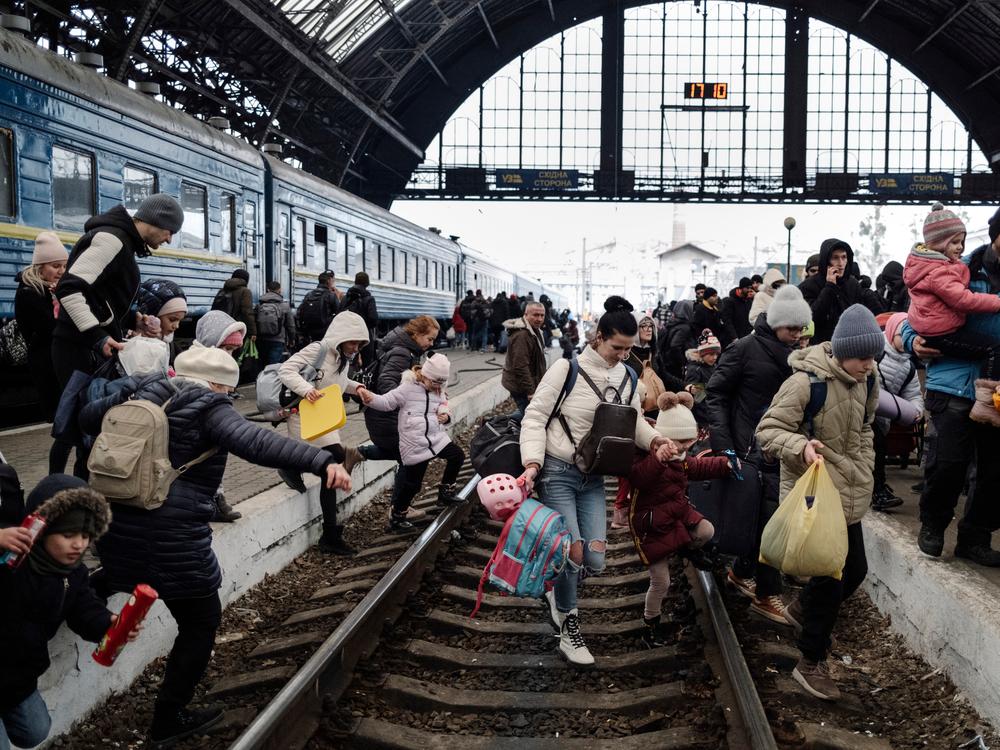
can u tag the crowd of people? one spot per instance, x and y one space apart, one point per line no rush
732 377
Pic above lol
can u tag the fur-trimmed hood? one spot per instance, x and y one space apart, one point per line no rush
83 498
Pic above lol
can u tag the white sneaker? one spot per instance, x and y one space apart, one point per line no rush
555 616
571 642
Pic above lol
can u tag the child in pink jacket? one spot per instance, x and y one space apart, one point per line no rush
940 298
423 414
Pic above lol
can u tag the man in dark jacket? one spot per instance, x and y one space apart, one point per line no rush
275 324
834 289
745 380
101 280
676 340
318 308
736 308
499 314
236 300
525 363
359 300
706 314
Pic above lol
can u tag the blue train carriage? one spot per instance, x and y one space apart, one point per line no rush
74 143
479 271
314 226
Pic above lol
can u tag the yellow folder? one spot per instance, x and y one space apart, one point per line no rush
326 415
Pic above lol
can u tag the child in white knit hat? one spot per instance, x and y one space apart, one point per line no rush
423 413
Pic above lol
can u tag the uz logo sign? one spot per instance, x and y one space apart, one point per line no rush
886 182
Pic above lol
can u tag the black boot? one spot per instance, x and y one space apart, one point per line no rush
931 540
332 542
883 499
292 479
224 512
172 727
653 635
447 496
974 546
399 524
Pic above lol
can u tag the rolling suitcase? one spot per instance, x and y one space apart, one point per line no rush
733 507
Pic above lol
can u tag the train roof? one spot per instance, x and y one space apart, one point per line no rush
25 57
298 177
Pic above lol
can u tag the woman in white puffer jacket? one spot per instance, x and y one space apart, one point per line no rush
773 280
344 337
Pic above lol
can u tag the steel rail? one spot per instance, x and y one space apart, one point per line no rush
292 716
748 703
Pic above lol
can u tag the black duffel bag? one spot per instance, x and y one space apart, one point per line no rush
496 447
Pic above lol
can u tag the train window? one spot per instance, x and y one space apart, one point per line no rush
283 240
411 271
435 282
394 265
6 172
72 187
137 185
416 271
250 229
339 252
376 259
360 258
300 242
450 287
427 276
227 221
385 262
194 201
320 248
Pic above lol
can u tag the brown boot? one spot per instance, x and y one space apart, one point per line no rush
983 411
352 458
815 678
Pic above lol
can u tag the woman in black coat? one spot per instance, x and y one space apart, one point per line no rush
35 312
170 548
707 315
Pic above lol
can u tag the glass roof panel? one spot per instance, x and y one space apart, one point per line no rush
338 25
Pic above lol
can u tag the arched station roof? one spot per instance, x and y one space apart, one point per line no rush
358 88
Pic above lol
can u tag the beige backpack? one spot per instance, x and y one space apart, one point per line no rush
130 460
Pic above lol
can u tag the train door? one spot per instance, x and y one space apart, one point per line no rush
283 251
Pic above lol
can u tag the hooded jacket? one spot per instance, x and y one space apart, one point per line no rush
397 353
677 339
660 515
359 300
828 301
957 377
36 604
287 332
347 326
241 303
744 381
891 289
215 326
101 279
421 436
940 297
705 316
843 424
898 376
763 299
735 310
170 548
524 364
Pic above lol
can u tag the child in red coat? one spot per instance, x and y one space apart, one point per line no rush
661 519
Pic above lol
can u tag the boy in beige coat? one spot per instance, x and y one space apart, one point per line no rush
840 434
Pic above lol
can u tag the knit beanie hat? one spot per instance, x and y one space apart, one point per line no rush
216 328
857 335
893 324
941 225
675 420
161 297
48 249
207 365
69 506
788 308
436 368
161 210
707 342
995 226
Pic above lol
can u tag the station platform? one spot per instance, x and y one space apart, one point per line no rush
946 608
278 525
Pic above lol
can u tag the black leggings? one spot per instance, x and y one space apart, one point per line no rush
197 622
328 497
965 344
410 478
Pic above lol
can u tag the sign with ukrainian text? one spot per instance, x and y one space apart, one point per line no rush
538 179
933 183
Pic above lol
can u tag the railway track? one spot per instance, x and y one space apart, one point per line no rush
407 668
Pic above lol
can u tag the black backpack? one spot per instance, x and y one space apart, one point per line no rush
314 312
224 301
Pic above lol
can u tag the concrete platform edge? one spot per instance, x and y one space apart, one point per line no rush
945 611
277 526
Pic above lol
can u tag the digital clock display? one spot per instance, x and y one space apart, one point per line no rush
701 90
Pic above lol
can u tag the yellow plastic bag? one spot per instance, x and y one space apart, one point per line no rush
806 538
326 415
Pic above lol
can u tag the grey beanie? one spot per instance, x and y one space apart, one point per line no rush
161 210
788 309
857 335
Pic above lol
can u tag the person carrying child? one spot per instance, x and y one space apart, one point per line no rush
940 300
840 434
661 519
423 413
50 587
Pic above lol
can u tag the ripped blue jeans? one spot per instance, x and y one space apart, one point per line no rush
581 500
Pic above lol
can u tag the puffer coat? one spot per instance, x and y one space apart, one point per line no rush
421 436
763 299
35 315
170 548
347 326
660 515
698 372
940 297
397 352
898 375
843 424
